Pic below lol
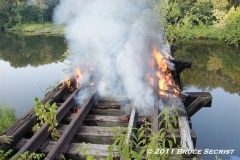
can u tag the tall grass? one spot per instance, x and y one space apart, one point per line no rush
7 116
40 28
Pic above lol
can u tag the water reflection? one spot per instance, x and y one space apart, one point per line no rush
28 65
214 65
21 50
215 68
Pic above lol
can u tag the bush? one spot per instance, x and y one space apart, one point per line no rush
231 32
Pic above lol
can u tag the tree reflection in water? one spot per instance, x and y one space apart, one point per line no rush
35 50
214 65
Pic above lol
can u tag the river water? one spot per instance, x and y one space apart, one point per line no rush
30 64
215 69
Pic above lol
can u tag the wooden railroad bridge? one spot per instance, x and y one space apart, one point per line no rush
94 122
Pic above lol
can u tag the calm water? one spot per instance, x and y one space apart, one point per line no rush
216 69
30 64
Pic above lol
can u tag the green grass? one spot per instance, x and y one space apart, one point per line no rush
201 32
39 28
7 117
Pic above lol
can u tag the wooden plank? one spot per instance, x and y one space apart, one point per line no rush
114 100
95 134
106 112
185 132
189 97
180 65
196 105
132 124
100 120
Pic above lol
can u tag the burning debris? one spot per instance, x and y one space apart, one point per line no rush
73 82
166 82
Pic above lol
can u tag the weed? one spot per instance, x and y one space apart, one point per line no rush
46 115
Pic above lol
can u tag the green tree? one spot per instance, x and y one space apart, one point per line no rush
231 32
220 4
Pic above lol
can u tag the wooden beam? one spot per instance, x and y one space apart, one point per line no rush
132 124
189 97
106 112
185 132
95 134
99 120
180 65
196 105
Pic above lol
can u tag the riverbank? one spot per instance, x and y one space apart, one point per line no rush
180 33
36 28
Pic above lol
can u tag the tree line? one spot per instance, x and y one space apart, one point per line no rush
220 17
217 18
13 12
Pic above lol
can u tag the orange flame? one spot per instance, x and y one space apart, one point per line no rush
76 110
166 83
78 76
68 82
161 60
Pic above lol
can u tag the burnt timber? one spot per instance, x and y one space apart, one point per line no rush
94 123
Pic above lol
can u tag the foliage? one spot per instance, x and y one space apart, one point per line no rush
23 156
47 115
219 18
220 4
4 155
27 156
231 32
7 116
211 16
21 12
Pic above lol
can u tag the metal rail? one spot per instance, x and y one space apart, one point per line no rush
22 126
62 145
38 138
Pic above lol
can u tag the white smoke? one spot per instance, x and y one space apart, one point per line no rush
110 35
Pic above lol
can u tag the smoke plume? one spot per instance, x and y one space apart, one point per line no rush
113 36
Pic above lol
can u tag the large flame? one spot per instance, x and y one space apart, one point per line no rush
166 83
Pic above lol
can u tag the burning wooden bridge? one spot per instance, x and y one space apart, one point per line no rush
94 122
